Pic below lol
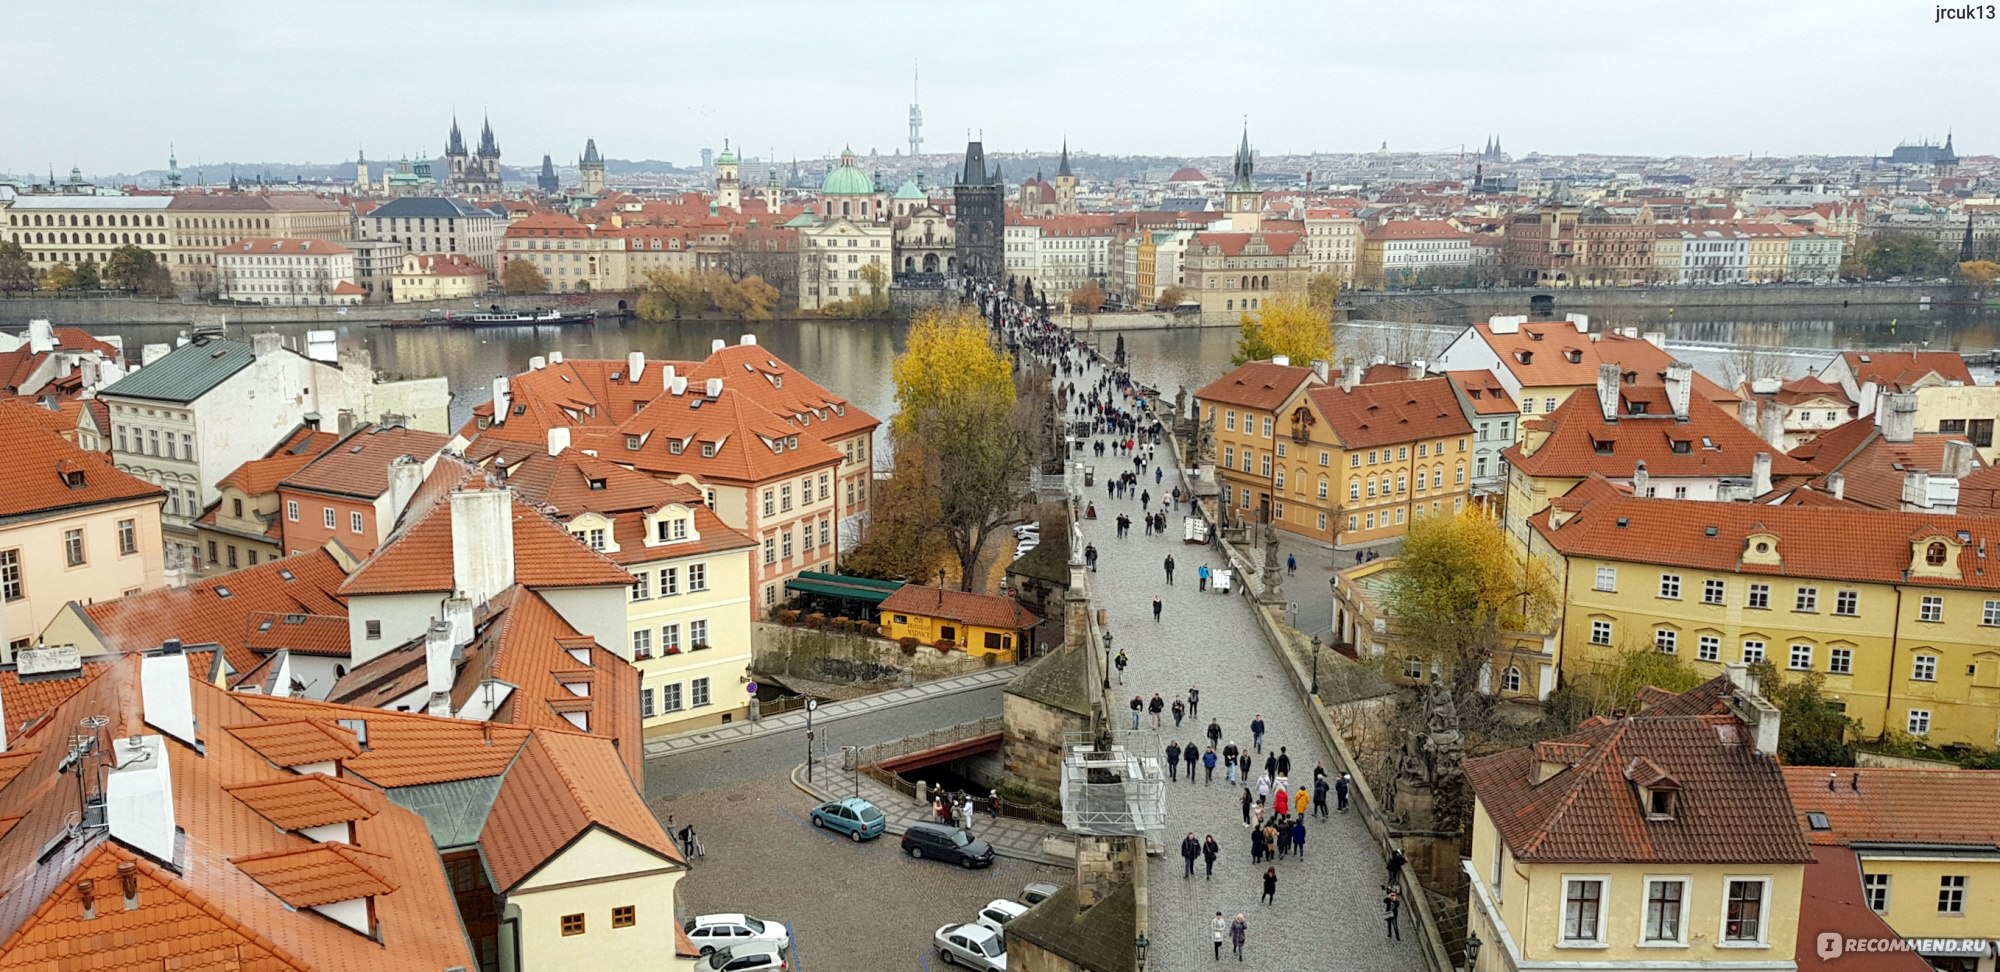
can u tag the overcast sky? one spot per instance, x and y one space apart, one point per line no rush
108 85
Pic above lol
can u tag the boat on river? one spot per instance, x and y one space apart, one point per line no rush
495 317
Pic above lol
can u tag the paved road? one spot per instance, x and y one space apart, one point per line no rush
1327 911
772 755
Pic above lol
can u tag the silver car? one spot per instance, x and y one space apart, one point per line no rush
973 946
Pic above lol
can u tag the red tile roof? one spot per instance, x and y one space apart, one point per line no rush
1484 391
312 800
784 390
358 465
1390 412
1895 371
1831 901
218 609
298 742
417 559
1236 244
44 473
574 483
303 634
1874 472
404 748
561 786
984 610
1259 385
1709 443
1416 229
1554 354
319 874
1900 806
260 476
444 265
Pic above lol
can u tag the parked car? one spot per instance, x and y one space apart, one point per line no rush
710 932
855 817
950 844
1039 892
998 912
746 957
1026 530
973 946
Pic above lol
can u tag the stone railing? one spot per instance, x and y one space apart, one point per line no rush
897 748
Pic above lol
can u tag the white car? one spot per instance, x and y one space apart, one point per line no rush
999 912
973 946
1028 531
744 957
710 932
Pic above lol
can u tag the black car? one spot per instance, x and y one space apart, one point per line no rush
952 844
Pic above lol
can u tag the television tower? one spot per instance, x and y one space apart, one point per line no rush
916 117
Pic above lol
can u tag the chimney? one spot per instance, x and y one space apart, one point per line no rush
1657 339
1765 386
1958 457
1899 416
1607 390
152 352
322 346
1349 374
437 667
1865 401
1319 370
501 400
1771 425
538 362
458 614
747 340
268 343
1418 369
343 421
1640 478
1680 386
1760 473
406 473
558 439
1746 413
1282 360
482 542
166 694
555 357
667 377
41 337
139 794
713 388
1916 491
1836 485
717 345
635 365
680 385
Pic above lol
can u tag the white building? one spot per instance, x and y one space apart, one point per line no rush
1714 255
438 224
850 227
288 273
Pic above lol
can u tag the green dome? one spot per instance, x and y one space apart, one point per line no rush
909 190
847 180
726 158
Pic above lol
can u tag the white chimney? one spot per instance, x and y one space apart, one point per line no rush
1765 386
747 340
537 363
1319 370
680 385
1771 425
714 388
1746 413
1865 402
555 357
139 796
501 400
717 345
1640 478
1581 321
1282 360
458 614
266 344
635 365
1899 416
667 378
322 346
1836 485
1657 339
1607 390
437 667
558 439
1958 456
152 352
1506 323
406 474
1349 374
1680 387
1916 491
482 542
166 694
1760 473
1418 369
41 337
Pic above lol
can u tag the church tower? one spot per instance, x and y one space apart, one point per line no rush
1065 185
728 191
487 177
173 169
773 197
591 169
1242 200
361 181
547 181
455 156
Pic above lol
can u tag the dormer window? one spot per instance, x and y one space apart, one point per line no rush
1573 356
1681 446
708 450
632 443
674 446
597 484
73 478
669 531
1659 804
1934 555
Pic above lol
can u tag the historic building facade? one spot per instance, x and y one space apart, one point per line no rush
473 174
980 207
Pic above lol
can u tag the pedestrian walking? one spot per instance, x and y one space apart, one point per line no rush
1179 710
1194 702
1263 788
1270 886
937 809
1157 706
1173 760
1257 732
1209 851
1396 862
1340 788
1238 930
1256 845
1090 556
1156 615
1281 802
1301 801
1299 836
1201 579
1246 806
1320 789
965 814
1214 731
1145 499
1282 784
993 803
1170 570
1158 474
1138 705
1281 835
1284 762
1392 905
1121 670
1190 849
1191 755
1208 767
1271 766
1243 765
1218 928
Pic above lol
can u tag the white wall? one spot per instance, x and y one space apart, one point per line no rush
595 611
403 616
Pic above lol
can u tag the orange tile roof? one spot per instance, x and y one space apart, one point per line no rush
298 742
1390 412
303 634
217 609
16 761
1873 473
561 786
312 800
573 483
1484 392
288 247
784 390
417 559
1581 441
1901 806
742 432
1558 356
1831 898
1901 370
261 476
1873 546
358 465
1416 229
1260 385
41 467
984 610
1234 244
405 748
320 874
445 265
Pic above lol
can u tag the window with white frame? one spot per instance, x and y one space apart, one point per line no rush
1413 667
670 581
1760 596
1847 604
1583 911
670 639
1840 661
1670 586
646 710
1510 679
1743 908
1875 891
1708 648
1713 591
670 697
1919 723
1990 615
698 631
698 693
354 521
642 585
1607 579
1666 640
292 510
1951 894
1753 651
697 577
1807 599
1930 608
73 547
1666 911
642 644
1923 668
1600 631
326 516
1802 658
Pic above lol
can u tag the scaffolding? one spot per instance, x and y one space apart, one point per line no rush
1113 789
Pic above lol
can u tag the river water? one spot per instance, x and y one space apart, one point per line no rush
852 358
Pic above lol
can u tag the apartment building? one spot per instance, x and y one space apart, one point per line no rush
1241 410
1356 463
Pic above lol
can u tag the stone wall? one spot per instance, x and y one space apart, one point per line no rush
1481 304
1032 750
113 311
828 656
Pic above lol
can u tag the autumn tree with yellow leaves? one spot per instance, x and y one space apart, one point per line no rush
1458 583
1288 324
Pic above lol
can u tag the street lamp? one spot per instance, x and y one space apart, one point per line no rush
1472 944
1107 661
1140 944
1315 685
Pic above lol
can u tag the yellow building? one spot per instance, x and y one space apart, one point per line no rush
1522 667
979 624
1356 462
1907 832
426 277
1241 408
1649 842
1898 611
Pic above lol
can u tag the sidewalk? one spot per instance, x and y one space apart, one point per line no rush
829 712
1011 837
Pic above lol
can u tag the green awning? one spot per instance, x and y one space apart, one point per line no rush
865 589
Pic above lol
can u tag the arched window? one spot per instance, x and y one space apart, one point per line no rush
1934 555
1437 477
1228 305
1354 489
1510 679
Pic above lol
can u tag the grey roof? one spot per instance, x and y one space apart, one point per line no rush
1100 939
26 202
185 373
455 811
1055 680
430 207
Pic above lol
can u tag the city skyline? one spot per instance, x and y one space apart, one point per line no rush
307 90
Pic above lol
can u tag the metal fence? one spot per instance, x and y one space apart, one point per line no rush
896 748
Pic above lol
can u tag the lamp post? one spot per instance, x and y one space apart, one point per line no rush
1472 944
1107 662
1315 685
812 705
1140 945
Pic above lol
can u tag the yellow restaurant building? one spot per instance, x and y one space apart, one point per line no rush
979 624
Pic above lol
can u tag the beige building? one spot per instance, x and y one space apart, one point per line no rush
848 228
72 526
1231 272
574 258
1333 242
203 223
286 272
437 276
375 262
85 229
